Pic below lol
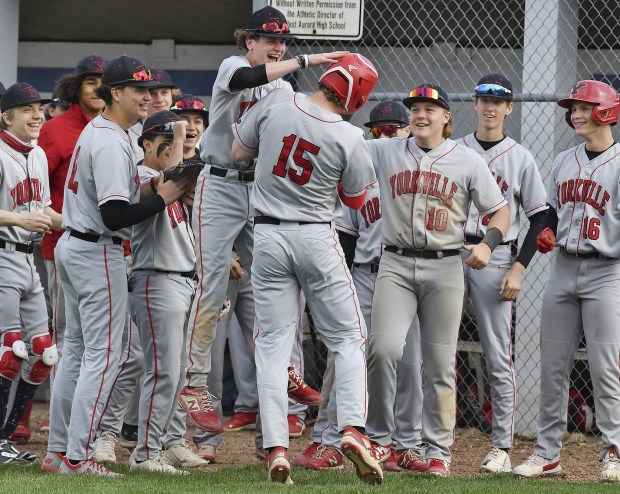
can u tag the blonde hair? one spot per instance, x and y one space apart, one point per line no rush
447 129
9 113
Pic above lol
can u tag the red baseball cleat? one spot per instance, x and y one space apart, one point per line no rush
356 447
197 403
300 391
241 421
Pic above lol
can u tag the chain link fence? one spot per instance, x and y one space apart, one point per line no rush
543 47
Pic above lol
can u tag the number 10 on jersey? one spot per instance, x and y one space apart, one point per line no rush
301 146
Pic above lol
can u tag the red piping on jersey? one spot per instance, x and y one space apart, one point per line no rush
494 206
430 170
357 311
107 361
199 295
124 134
574 202
109 197
148 418
535 208
342 227
241 140
310 115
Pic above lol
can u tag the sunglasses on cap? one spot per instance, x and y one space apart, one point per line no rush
143 75
493 90
186 104
274 27
388 130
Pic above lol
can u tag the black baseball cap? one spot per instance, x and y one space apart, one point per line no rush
494 86
430 93
91 65
2 89
269 22
159 123
190 103
127 71
164 79
387 112
20 94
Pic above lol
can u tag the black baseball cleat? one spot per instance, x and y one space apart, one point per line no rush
9 454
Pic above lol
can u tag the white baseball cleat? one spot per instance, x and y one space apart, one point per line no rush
181 455
496 461
105 448
610 472
158 464
537 466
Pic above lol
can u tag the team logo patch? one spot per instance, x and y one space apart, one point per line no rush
29 90
352 67
578 86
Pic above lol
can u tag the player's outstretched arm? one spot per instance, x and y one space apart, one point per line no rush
176 150
33 222
248 77
480 254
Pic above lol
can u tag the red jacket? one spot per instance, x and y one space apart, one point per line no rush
58 138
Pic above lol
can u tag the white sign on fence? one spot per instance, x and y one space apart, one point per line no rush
323 19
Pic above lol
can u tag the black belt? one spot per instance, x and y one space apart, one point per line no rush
471 239
589 255
91 237
424 254
192 275
269 220
247 176
25 248
374 268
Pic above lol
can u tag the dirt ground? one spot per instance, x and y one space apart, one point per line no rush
579 456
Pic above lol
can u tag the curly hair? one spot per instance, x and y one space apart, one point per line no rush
68 88
330 95
241 35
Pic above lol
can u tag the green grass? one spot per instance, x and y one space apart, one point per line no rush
252 480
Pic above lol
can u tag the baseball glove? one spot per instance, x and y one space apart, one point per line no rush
191 168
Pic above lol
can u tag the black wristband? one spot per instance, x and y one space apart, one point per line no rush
493 238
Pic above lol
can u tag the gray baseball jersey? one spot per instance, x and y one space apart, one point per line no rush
314 150
217 140
24 187
365 224
101 142
289 185
584 194
517 176
582 295
425 196
164 242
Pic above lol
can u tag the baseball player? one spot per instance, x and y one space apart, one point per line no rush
493 290
426 185
101 203
584 284
27 352
307 152
120 412
359 232
162 285
222 209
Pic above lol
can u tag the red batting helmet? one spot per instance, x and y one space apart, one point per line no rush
603 95
352 79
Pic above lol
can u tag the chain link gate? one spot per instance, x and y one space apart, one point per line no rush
543 47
